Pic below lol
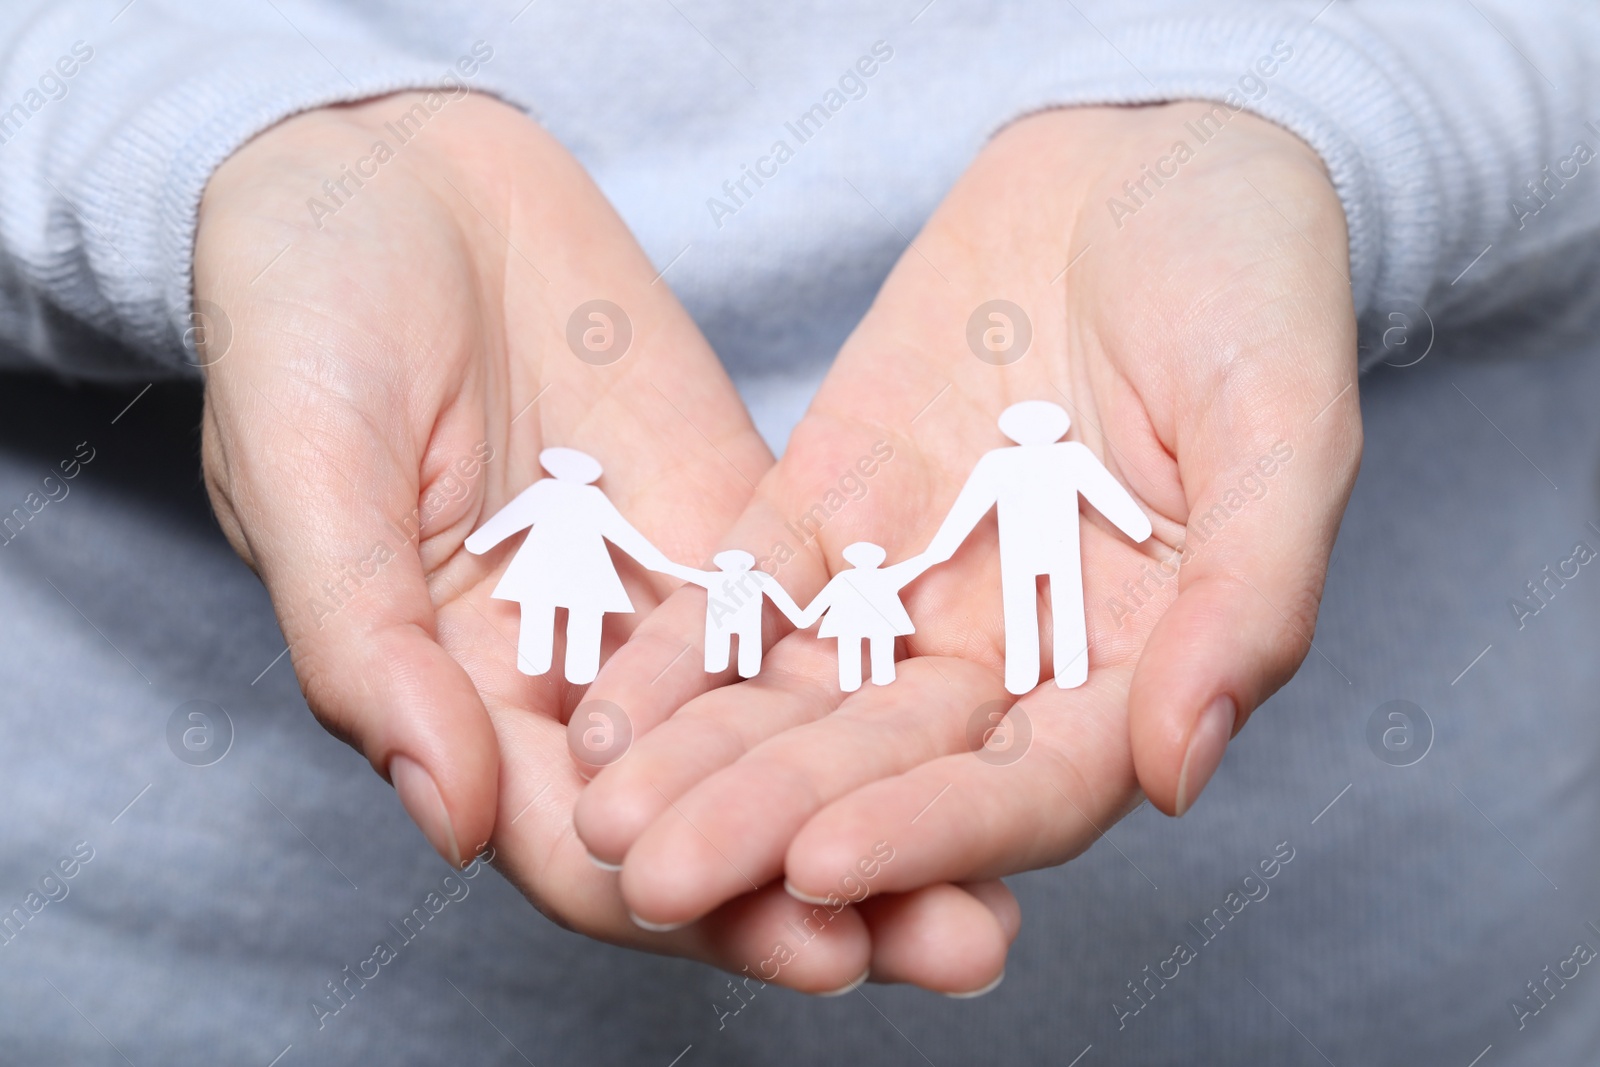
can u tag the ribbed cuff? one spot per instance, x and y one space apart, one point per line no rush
146 183
1337 90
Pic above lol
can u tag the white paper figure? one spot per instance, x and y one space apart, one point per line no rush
1034 489
863 604
564 563
733 609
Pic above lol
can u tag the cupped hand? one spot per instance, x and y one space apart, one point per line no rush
410 326
1200 332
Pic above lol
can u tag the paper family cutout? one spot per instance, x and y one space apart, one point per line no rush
1033 486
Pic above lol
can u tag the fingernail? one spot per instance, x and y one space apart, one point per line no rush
849 987
602 864
1207 743
422 801
990 988
657 928
788 887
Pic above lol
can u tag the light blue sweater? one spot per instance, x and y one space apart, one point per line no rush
1457 133
1421 902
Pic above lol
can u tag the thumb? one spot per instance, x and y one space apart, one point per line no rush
328 514
1250 575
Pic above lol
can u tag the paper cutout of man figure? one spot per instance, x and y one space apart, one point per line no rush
1034 488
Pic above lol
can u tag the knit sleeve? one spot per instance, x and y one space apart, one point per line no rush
1461 135
113 118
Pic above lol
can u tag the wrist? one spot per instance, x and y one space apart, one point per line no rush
308 166
330 186
1093 148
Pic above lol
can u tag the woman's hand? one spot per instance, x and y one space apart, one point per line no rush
404 342
1202 337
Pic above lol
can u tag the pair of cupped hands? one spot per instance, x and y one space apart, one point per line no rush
426 322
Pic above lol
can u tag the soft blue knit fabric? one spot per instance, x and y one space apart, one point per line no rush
1433 116
1420 902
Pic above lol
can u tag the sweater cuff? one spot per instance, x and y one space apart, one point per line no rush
1334 88
146 182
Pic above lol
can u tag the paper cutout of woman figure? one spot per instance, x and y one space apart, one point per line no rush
863 604
564 563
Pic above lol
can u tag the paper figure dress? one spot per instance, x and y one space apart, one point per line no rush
863 605
564 563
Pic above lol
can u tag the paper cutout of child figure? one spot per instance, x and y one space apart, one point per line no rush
735 609
863 604
563 562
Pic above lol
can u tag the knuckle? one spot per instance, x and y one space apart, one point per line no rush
325 699
1289 643
1282 623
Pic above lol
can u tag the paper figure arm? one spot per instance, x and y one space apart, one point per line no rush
1100 488
780 596
813 611
521 513
622 533
909 570
977 496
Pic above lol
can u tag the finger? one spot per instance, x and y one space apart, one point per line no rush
1002 904
662 666
801 511
1033 798
328 506
733 828
946 938
1273 478
797 510
764 936
798 685
770 936
656 671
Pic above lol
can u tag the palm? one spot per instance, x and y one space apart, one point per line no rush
1185 346
393 378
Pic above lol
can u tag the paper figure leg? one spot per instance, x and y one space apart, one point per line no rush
1019 601
583 645
717 649
849 664
1071 638
881 651
536 639
750 651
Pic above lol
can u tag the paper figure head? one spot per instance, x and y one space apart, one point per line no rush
864 554
1035 422
570 465
734 559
